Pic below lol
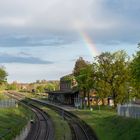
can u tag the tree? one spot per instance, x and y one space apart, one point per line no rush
51 87
103 66
85 80
79 64
40 89
135 72
113 75
3 75
12 86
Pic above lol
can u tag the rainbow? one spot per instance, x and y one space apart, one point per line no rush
89 43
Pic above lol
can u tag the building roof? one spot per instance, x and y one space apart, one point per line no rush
62 92
67 77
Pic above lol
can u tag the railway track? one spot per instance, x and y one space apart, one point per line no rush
42 126
43 129
79 129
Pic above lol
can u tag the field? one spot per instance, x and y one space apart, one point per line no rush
109 126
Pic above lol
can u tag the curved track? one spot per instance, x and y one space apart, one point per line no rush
80 130
42 127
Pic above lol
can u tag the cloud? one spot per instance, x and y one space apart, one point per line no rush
22 53
7 58
45 14
43 30
29 41
104 20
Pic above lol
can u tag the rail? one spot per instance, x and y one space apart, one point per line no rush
80 130
42 128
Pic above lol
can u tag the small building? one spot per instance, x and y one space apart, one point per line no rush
63 97
67 93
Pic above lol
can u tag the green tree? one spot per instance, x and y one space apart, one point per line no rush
3 75
113 75
40 89
85 80
103 67
79 64
135 72
51 86
12 86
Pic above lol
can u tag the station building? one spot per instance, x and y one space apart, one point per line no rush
68 94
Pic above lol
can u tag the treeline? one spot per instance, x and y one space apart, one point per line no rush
113 75
40 86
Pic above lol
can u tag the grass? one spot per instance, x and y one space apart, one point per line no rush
2 96
109 126
12 120
33 95
61 127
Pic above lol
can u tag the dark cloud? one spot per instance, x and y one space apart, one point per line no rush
6 58
29 41
23 53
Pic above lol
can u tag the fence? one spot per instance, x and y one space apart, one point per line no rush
8 103
78 102
129 110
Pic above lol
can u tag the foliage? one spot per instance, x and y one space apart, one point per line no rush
113 75
67 77
135 72
12 86
109 75
85 80
79 64
51 87
3 75
40 89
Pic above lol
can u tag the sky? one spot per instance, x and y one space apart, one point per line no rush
41 39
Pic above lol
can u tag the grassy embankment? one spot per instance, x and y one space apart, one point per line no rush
61 127
2 96
12 120
109 126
